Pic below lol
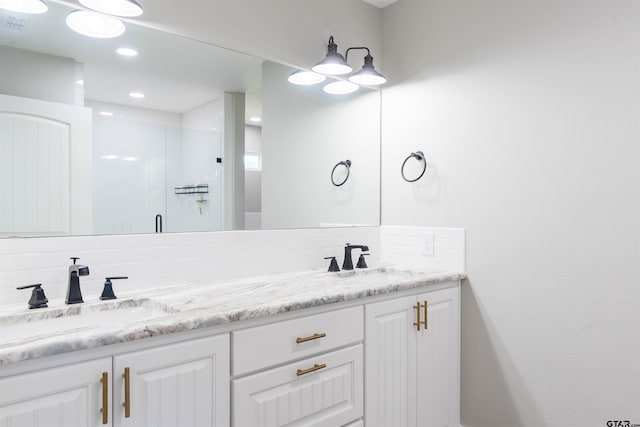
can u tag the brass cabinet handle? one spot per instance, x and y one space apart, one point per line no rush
425 313
417 323
127 393
311 338
105 398
315 368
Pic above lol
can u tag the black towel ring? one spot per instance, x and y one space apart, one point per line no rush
419 155
346 164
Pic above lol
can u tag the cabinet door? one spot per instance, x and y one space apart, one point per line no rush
412 376
438 357
70 395
328 395
390 351
184 384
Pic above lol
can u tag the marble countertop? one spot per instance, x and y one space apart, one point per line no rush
28 334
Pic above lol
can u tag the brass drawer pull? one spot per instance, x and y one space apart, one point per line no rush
425 313
417 322
311 338
307 371
105 398
127 393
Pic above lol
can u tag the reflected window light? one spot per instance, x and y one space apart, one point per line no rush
252 161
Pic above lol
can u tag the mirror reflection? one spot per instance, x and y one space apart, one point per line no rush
180 136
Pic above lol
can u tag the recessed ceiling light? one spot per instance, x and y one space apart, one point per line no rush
340 87
126 8
109 157
94 24
130 159
126 51
80 82
136 94
255 119
24 6
106 113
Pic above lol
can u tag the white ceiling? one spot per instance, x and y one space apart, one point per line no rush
175 74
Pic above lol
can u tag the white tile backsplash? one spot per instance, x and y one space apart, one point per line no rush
405 245
160 260
153 260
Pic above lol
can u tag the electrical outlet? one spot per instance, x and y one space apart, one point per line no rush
428 241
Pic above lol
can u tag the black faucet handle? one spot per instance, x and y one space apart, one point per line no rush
38 298
333 266
107 292
74 258
362 263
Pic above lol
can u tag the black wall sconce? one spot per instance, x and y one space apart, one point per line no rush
336 65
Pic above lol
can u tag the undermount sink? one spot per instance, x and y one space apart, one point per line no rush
42 322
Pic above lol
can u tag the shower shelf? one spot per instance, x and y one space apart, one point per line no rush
192 189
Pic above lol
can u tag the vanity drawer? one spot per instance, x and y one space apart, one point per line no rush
321 391
264 346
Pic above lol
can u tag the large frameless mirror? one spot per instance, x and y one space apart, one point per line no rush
179 136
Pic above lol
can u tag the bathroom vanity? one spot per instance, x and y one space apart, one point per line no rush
378 347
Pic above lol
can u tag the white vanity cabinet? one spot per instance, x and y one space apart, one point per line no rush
324 388
70 395
412 348
182 384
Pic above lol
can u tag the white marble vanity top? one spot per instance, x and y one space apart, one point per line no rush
29 334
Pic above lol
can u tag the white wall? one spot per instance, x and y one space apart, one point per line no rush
306 132
253 181
38 76
528 113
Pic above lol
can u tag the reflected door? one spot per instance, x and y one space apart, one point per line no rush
34 176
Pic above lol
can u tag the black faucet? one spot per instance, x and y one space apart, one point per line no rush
74 296
347 264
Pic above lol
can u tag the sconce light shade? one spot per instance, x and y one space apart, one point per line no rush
368 76
333 64
305 78
24 6
340 87
94 24
125 8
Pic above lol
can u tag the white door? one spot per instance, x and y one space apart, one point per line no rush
324 390
36 138
34 176
70 395
184 384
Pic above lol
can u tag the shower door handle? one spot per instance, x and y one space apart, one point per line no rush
158 223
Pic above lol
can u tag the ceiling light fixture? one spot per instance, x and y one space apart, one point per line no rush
126 51
340 87
109 157
106 113
124 8
130 159
93 24
305 78
136 94
255 119
24 6
333 64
